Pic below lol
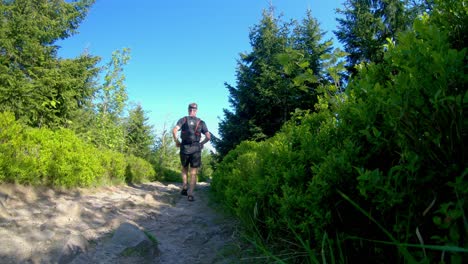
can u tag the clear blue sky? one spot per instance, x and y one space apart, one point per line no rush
182 51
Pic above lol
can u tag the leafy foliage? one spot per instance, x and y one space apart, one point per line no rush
205 172
166 158
451 16
378 173
40 156
108 130
63 107
138 170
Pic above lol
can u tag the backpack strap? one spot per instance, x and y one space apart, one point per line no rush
182 126
183 123
196 127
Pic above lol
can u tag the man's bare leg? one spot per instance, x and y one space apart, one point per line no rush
184 177
193 180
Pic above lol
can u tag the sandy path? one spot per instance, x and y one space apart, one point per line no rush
192 232
35 223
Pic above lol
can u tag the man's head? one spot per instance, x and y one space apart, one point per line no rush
192 109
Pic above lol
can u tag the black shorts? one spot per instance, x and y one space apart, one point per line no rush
190 155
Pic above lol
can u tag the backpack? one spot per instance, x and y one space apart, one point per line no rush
190 130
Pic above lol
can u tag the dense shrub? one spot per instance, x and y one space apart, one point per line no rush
138 170
59 158
206 170
9 142
114 164
378 175
72 162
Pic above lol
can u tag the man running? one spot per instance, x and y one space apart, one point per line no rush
191 128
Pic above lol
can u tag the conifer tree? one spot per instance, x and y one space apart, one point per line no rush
267 92
308 41
367 25
139 137
41 89
256 99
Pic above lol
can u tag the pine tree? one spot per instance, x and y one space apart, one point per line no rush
256 99
270 79
139 136
308 41
41 89
367 25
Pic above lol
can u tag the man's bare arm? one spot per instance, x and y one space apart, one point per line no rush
175 130
206 139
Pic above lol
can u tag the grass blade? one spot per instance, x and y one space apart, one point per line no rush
400 246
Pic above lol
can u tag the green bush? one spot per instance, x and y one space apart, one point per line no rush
138 170
10 140
165 174
114 164
72 162
39 156
206 170
384 160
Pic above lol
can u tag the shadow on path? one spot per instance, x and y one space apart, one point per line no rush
35 223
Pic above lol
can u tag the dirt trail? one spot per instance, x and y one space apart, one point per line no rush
192 232
35 223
